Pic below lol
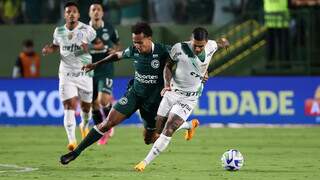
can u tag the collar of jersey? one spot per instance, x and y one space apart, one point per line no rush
102 25
187 49
79 24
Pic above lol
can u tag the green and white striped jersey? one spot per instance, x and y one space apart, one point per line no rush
190 69
70 42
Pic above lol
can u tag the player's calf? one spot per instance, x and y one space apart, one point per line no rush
150 136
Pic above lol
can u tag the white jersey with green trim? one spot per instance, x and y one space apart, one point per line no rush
70 42
190 70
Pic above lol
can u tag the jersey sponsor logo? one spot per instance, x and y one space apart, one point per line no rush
105 36
155 55
155 63
196 75
123 101
146 79
185 107
136 54
71 48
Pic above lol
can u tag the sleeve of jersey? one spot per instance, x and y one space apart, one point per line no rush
90 35
55 38
213 45
115 36
175 52
127 53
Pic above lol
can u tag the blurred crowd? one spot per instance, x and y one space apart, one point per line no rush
130 11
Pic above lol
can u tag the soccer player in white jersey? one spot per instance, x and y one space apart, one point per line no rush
72 40
183 85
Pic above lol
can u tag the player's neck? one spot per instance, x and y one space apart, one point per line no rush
72 25
97 23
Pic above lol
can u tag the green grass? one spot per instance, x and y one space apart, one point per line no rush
270 153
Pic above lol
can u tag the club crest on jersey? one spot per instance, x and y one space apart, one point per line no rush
79 36
70 35
105 36
155 63
123 101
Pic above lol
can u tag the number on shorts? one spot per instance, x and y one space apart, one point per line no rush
109 82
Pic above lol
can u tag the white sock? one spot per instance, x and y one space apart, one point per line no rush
85 117
160 145
186 125
69 121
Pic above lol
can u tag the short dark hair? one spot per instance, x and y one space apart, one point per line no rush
98 3
200 34
27 43
142 27
71 3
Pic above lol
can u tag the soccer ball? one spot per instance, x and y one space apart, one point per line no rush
232 160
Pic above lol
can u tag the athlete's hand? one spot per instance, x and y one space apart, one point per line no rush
47 49
89 67
223 43
205 77
164 90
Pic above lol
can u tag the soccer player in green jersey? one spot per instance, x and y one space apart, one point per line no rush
149 59
107 40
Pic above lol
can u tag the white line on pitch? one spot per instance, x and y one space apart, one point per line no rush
17 168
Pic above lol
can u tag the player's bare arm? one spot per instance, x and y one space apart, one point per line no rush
223 43
110 58
49 48
116 47
167 75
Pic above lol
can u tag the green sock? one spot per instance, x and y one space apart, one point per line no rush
92 137
97 117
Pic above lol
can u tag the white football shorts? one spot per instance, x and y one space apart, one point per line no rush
179 104
75 85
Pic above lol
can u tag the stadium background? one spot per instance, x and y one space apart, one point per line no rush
242 89
242 22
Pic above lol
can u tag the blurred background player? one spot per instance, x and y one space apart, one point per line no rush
28 62
72 39
144 95
182 87
106 41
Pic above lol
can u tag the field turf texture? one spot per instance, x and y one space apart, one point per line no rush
270 153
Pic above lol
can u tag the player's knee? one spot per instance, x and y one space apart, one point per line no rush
85 107
104 126
160 123
168 132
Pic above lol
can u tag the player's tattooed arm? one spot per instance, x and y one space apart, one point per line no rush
167 75
223 43
110 58
49 48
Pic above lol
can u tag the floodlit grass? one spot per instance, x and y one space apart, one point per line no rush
270 153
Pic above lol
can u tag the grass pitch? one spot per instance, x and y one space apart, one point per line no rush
270 153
